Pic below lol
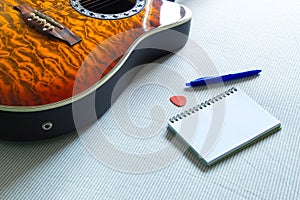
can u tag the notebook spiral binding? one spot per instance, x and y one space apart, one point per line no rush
203 105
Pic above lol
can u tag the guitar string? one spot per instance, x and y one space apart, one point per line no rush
110 3
88 2
71 8
57 7
51 8
107 4
91 2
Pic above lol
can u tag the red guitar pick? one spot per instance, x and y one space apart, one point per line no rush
178 100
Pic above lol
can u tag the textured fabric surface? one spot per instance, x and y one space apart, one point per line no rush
237 35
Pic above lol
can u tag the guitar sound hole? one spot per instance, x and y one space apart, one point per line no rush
108 6
108 9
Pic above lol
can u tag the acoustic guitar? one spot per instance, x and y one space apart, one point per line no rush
57 53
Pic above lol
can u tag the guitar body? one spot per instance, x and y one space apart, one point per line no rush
57 53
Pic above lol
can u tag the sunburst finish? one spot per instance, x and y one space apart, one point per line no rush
37 70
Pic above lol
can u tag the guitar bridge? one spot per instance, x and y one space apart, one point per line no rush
46 25
45 20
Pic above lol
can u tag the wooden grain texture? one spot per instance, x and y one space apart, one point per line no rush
38 70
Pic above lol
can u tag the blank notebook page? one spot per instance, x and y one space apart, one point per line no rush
223 124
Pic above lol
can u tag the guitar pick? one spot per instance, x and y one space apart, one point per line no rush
178 100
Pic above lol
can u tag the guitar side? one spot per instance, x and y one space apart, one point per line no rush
42 77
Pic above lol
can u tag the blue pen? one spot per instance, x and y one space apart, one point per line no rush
218 79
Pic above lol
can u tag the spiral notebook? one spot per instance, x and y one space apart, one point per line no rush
223 124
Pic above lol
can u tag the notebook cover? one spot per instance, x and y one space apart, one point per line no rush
223 124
